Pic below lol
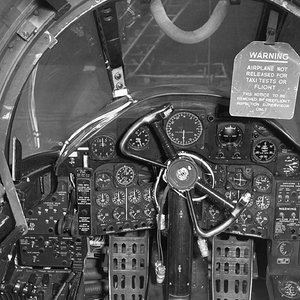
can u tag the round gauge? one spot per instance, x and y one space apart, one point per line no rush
119 214
134 196
149 211
103 147
263 202
102 181
214 213
230 134
140 139
264 151
285 248
118 197
148 194
134 213
262 183
184 128
289 165
102 199
261 218
245 218
125 175
102 215
289 289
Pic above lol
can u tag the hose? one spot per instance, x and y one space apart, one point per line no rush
96 288
189 37
93 288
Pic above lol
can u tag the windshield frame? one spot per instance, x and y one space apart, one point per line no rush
20 56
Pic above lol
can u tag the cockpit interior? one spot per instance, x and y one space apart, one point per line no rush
149 149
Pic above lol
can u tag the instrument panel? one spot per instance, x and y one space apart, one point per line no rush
100 192
244 155
121 199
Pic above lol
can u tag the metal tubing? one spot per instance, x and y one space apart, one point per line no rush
240 206
217 197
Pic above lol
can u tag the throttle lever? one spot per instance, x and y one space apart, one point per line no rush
155 115
240 206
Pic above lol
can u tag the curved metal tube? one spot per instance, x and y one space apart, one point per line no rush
214 194
189 37
240 206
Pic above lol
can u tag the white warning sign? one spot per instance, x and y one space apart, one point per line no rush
265 81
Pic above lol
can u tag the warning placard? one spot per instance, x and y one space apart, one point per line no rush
265 81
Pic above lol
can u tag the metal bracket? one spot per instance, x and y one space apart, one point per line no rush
107 21
27 30
120 89
272 27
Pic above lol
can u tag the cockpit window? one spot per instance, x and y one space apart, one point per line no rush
69 84
71 81
152 58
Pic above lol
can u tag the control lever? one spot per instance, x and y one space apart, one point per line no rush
240 206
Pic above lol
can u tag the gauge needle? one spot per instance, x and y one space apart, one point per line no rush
183 135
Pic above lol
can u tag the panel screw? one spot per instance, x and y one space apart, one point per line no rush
119 85
118 76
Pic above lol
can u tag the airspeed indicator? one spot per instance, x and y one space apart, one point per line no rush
184 128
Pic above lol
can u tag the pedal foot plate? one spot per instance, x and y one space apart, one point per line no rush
128 266
232 269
